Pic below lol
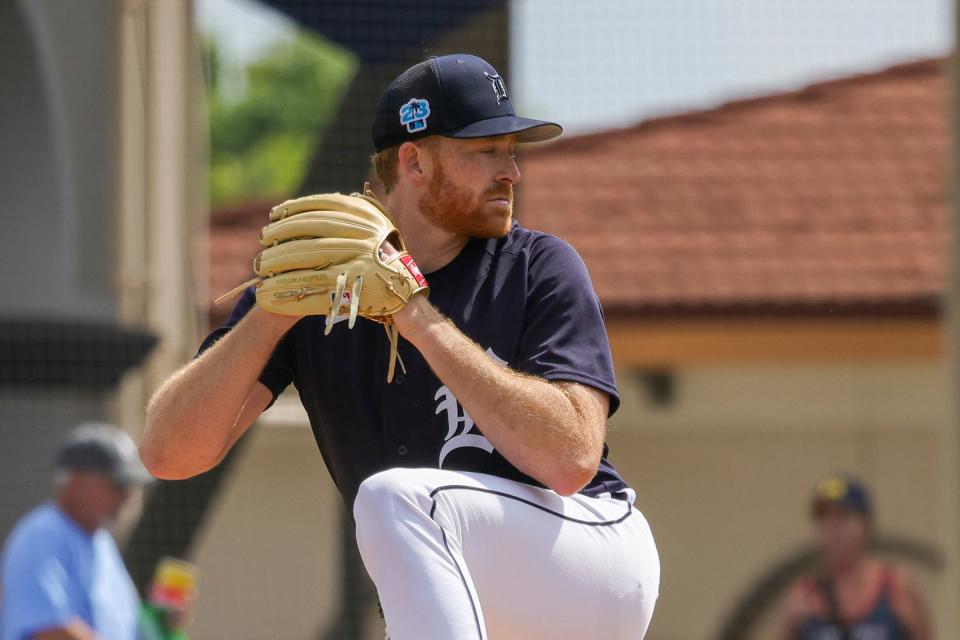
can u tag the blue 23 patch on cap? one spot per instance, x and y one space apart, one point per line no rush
414 114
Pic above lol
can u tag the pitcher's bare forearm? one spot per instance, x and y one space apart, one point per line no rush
202 409
553 432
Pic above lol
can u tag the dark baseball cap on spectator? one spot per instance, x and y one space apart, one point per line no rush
103 448
457 96
844 491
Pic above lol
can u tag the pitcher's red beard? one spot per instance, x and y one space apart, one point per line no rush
456 210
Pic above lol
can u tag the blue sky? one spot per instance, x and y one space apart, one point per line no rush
606 63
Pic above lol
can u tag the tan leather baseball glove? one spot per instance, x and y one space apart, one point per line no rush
338 256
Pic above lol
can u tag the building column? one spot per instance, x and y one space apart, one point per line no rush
160 190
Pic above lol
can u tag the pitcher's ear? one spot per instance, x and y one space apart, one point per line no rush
414 163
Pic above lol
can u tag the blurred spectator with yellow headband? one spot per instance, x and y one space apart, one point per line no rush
851 595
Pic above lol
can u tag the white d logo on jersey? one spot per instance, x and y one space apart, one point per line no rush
459 422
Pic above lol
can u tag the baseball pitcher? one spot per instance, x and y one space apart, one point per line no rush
459 400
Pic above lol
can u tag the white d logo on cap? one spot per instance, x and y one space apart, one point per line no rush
499 87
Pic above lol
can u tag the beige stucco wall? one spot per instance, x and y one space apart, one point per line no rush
268 553
723 475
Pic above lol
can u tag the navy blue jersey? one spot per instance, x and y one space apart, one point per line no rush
526 299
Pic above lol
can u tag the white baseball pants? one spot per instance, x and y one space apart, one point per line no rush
469 556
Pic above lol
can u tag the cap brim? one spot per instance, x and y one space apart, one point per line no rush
526 129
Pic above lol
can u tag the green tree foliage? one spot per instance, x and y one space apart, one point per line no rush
260 141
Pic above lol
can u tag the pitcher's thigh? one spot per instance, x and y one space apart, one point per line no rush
561 567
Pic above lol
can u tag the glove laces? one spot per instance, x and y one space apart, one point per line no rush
393 335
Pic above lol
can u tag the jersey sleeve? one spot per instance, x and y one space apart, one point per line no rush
564 336
37 591
277 374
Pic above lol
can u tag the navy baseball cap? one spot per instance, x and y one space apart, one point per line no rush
103 448
842 490
458 96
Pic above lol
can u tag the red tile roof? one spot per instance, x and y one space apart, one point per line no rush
830 198
234 240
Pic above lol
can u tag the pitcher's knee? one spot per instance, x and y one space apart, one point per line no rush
386 500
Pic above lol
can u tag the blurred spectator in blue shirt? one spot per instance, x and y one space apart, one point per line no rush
62 574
